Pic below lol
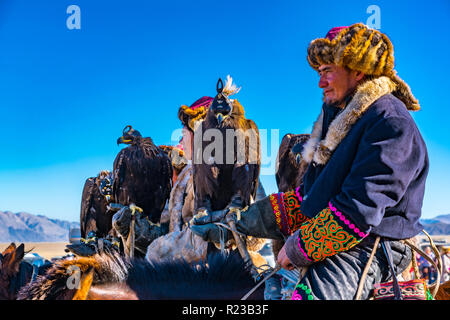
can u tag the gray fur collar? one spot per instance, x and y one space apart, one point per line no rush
320 151
176 200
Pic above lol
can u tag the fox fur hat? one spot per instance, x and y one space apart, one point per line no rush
190 116
363 49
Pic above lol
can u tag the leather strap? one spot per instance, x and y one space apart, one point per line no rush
385 244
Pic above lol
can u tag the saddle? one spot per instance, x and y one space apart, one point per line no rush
416 289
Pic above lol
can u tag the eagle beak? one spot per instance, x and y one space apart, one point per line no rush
122 140
219 117
298 158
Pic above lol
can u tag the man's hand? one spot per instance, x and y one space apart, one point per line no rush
208 232
203 225
283 260
209 217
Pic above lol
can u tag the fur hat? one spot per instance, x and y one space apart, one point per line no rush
189 116
176 155
361 48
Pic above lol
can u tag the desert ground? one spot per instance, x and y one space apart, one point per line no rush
439 240
47 250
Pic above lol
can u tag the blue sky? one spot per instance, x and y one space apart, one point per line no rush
66 95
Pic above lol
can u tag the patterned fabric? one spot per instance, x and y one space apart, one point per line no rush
276 200
327 234
286 208
338 277
411 290
302 292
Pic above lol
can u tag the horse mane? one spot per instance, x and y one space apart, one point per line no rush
220 277
53 284
22 277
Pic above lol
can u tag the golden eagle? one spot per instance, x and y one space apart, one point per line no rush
226 170
289 170
95 215
290 165
142 174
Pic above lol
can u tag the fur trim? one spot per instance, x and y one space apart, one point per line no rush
310 146
361 48
176 200
366 94
404 93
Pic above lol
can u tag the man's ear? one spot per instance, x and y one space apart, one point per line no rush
359 75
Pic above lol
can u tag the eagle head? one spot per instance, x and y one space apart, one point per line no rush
221 106
129 136
296 152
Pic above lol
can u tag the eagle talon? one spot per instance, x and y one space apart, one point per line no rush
153 224
135 208
200 214
236 211
91 237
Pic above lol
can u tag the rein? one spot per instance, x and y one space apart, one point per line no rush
245 255
414 249
275 270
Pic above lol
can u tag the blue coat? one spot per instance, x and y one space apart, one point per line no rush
376 175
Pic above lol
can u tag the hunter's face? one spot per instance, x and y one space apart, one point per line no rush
186 142
336 82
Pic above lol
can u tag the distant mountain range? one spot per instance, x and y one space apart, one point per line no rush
26 227
439 225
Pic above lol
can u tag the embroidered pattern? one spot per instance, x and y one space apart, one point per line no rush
280 215
347 221
411 290
286 208
300 290
292 201
303 251
326 235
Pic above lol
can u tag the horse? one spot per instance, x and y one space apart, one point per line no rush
443 291
111 276
15 272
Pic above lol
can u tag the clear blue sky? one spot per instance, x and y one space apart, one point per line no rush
65 95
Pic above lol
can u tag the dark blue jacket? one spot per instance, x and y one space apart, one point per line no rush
376 175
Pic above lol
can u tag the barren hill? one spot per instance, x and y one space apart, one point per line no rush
26 227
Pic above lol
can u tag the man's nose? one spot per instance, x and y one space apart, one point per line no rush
323 83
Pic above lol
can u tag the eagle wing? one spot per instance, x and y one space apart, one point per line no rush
254 158
143 179
288 173
87 214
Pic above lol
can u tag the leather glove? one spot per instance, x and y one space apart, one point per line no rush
206 217
257 220
211 232
202 224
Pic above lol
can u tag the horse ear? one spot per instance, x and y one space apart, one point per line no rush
10 249
20 252
85 285
12 258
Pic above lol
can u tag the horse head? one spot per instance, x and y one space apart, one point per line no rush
14 273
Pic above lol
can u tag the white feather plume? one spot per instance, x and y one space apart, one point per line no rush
230 88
